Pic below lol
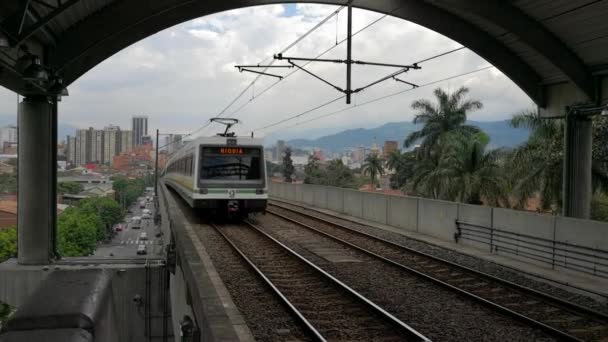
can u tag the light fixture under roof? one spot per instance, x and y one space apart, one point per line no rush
58 88
4 42
35 71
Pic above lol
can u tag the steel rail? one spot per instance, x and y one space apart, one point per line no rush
405 328
310 329
571 307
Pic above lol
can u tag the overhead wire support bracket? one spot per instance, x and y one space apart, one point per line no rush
260 73
319 78
414 86
262 66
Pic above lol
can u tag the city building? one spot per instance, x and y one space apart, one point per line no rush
390 146
91 146
111 143
139 127
172 142
8 134
280 149
126 141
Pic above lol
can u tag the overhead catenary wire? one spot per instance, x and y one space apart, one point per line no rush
369 101
372 23
270 63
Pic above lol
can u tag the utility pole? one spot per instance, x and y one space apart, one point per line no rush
349 49
156 167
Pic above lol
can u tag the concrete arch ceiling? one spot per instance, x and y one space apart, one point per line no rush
539 44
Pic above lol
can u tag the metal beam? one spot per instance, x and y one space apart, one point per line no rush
531 32
349 52
126 22
44 21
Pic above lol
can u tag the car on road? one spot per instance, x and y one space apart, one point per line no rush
146 216
142 204
141 250
118 227
136 224
143 236
147 211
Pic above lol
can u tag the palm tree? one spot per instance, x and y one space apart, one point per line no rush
475 175
449 114
536 167
372 166
403 164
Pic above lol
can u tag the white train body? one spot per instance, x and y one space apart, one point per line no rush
220 174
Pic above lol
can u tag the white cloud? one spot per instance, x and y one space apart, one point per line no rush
182 76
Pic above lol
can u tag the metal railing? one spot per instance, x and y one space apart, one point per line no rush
555 253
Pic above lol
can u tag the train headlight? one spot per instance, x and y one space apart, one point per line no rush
260 191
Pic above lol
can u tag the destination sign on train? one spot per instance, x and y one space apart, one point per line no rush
231 150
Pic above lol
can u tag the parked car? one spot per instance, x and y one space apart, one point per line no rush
146 216
143 236
118 227
141 250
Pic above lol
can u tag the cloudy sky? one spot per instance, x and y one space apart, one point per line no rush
184 75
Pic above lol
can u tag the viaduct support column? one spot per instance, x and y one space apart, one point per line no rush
37 169
578 135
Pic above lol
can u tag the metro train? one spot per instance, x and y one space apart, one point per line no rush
224 174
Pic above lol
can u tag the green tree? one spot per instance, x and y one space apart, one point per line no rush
599 207
127 190
536 167
77 232
69 188
339 175
108 211
403 164
288 168
372 167
312 171
473 174
449 114
8 243
8 183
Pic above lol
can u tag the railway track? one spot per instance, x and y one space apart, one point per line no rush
559 318
325 307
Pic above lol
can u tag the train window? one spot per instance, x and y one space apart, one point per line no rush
242 163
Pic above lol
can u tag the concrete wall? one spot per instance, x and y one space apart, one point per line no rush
438 219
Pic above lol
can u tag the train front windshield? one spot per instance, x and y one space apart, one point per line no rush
231 164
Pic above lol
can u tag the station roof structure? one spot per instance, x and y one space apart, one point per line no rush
536 43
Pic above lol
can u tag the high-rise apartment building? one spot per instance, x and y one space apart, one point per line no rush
172 143
97 148
83 151
139 127
71 149
8 134
111 140
126 141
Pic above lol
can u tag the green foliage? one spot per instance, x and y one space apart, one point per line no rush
334 173
599 207
78 232
536 167
272 168
447 115
69 188
8 183
373 166
108 211
403 164
128 190
288 168
8 243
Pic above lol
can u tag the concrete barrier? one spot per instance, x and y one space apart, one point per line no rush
353 203
403 212
437 218
335 199
488 225
375 207
319 196
583 233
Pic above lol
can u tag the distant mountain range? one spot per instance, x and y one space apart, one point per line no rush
500 132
